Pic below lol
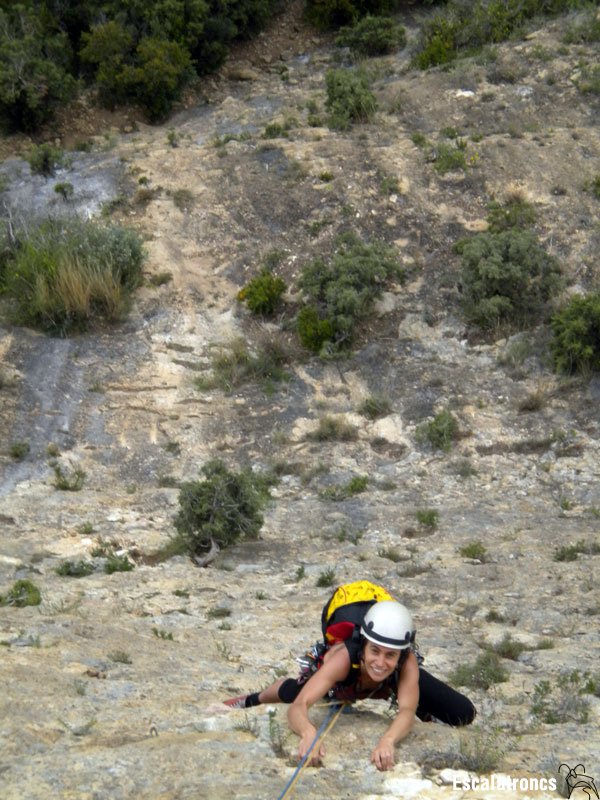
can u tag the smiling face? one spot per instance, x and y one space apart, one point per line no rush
379 662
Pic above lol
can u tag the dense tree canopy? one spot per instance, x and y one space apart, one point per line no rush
139 51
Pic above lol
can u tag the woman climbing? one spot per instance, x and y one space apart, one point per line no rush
368 651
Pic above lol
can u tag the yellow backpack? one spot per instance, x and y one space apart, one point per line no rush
344 612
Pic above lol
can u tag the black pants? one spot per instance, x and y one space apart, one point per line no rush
436 699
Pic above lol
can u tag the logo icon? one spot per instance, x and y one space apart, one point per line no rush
575 778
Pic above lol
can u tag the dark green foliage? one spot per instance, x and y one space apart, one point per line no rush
576 335
22 593
313 331
44 159
75 569
372 36
341 291
515 212
508 648
34 68
19 450
340 492
106 50
571 552
428 517
507 278
62 274
141 51
349 97
115 563
440 433
486 671
263 293
160 71
467 26
335 13
224 507
152 73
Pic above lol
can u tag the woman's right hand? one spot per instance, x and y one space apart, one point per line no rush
317 753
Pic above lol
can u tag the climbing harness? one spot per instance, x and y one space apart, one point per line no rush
328 723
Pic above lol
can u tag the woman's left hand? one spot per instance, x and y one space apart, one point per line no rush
383 755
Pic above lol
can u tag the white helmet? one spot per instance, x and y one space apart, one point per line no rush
390 624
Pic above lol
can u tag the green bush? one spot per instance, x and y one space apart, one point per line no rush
161 70
115 563
483 673
44 159
440 433
507 278
313 331
450 157
152 72
561 702
468 26
341 292
63 274
515 212
34 68
263 293
575 345
428 517
349 97
340 492
223 507
335 13
475 550
75 569
372 36
22 593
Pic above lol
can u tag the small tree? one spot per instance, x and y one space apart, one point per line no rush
263 293
576 329
34 63
224 507
349 97
507 278
341 292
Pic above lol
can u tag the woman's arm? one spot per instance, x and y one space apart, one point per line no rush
335 668
408 699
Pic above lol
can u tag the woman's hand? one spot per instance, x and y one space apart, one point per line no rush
383 755
317 753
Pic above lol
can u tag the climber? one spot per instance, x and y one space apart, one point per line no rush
373 658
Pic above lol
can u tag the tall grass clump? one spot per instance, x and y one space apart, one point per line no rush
507 279
349 98
339 293
575 345
62 275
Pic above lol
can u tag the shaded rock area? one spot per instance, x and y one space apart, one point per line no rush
113 685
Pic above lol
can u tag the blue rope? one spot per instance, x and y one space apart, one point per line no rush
333 710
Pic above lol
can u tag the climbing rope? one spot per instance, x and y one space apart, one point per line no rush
328 723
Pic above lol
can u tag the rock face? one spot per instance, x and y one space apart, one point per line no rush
112 686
